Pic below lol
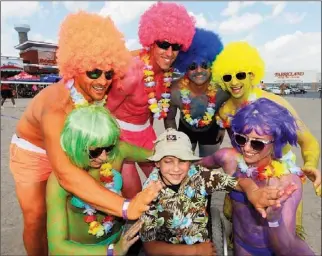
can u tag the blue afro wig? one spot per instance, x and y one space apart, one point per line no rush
206 45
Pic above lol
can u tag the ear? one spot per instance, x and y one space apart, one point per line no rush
157 164
251 75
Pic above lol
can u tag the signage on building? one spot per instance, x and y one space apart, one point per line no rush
288 75
46 58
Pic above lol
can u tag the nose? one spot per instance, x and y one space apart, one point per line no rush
103 81
234 80
198 69
169 51
247 146
103 156
176 167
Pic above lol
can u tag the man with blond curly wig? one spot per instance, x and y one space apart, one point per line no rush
144 93
91 54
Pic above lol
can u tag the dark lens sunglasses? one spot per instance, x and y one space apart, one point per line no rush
240 76
194 66
165 45
96 73
256 144
94 153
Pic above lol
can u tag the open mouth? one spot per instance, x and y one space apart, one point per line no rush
236 90
250 154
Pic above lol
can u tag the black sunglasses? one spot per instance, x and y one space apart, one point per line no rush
194 66
256 144
165 45
240 76
94 153
96 73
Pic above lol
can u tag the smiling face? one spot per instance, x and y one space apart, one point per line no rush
254 157
93 89
99 160
238 83
163 57
200 74
173 169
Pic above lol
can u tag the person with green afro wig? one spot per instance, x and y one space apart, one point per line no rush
90 139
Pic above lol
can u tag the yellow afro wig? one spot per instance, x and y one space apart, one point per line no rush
236 57
89 41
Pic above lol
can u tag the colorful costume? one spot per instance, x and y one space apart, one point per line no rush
75 227
238 69
144 91
198 103
254 235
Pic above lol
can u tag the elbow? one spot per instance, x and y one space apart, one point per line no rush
65 181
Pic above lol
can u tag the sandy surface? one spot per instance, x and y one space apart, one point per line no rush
11 217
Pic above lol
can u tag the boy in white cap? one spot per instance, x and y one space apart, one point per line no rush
178 216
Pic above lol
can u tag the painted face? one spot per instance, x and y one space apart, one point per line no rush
199 74
237 83
173 169
94 84
99 156
164 54
255 147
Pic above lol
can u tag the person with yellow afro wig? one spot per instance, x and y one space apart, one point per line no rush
91 55
238 69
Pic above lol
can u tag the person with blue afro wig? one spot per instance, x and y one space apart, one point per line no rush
197 98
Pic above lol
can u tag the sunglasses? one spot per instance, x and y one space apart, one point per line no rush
194 66
165 45
256 144
240 76
96 73
94 153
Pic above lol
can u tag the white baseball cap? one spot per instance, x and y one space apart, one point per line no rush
173 143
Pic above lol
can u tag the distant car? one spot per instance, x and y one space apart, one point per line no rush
319 89
275 90
307 87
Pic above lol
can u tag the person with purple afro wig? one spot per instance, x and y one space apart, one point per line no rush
195 96
260 131
144 93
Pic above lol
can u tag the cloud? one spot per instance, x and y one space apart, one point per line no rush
202 22
234 7
294 18
9 38
277 7
293 51
124 12
236 24
249 38
19 9
39 37
74 6
133 44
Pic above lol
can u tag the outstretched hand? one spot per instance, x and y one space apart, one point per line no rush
140 203
313 175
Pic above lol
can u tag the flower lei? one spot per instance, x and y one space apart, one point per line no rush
96 228
276 168
78 98
158 108
209 113
232 111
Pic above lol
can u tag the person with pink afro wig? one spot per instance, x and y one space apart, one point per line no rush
144 92
91 55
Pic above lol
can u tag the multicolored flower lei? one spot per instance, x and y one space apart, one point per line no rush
186 108
231 112
96 228
78 98
276 168
158 108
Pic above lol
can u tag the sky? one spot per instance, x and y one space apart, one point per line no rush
287 34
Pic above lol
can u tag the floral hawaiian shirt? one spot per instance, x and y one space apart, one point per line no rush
181 217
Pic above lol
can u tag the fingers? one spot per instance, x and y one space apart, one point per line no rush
262 212
133 240
135 228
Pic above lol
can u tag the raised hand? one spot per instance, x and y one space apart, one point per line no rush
140 203
313 175
128 239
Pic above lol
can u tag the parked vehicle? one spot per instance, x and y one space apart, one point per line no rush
319 89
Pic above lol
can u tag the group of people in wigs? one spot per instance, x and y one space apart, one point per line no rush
75 148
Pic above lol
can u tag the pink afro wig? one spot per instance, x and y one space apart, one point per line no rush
89 41
167 21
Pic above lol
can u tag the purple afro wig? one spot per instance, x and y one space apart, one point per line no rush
266 117
205 46
166 21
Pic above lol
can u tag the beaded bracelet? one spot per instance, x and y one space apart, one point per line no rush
110 250
273 224
125 207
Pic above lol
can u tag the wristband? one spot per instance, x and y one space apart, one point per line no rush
125 206
273 224
110 250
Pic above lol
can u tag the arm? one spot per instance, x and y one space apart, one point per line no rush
57 224
170 120
130 153
221 97
283 238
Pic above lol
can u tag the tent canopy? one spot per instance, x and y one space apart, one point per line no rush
24 76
